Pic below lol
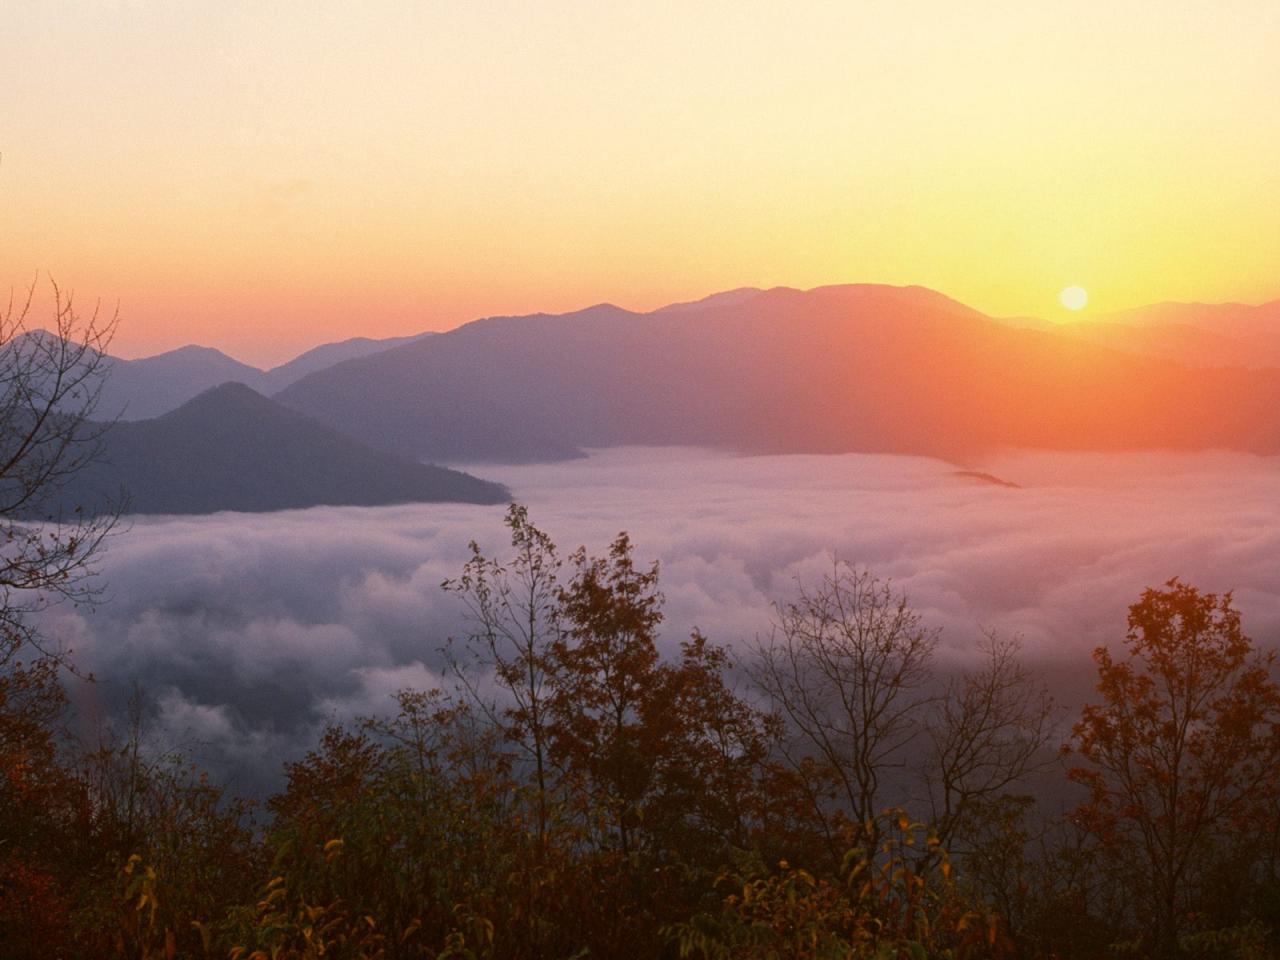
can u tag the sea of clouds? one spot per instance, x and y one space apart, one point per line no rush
245 633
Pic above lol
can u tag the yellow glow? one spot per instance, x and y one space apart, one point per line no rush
1074 298
261 177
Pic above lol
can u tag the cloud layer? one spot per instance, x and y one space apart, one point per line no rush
246 632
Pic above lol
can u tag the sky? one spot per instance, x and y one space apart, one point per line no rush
245 644
265 177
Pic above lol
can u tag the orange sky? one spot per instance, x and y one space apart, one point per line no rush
264 177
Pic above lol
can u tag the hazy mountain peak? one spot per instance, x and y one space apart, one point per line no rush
230 448
725 298
194 350
840 368
899 294
328 354
231 396
851 293
1212 315
598 311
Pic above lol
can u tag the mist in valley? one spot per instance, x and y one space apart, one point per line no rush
245 634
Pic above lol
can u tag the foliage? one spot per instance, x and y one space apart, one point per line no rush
584 789
887 902
1181 759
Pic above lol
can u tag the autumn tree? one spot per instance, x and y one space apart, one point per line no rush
152 824
39 807
410 821
645 767
1181 757
712 783
514 610
663 741
82 831
607 668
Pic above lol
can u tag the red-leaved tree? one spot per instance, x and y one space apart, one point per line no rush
1181 758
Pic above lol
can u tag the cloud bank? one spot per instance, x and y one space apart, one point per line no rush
247 632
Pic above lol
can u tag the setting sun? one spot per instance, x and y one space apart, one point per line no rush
1074 298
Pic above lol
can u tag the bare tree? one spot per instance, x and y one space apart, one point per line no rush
989 732
850 669
847 666
49 386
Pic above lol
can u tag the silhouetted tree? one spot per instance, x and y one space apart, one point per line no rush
847 666
987 733
881 902
49 386
850 667
607 671
49 383
1181 758
514 607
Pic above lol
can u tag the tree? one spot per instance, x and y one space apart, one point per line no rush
410 820
850 668
515 610
664 744
713 745
1181 757
49 387
645 768
49 383
847 666
607 670
987 733
40 801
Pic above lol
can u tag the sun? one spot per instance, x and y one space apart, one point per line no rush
1074 298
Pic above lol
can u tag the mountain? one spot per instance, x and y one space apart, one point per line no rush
1183 343
1195 334
834 369
145 388
326 355
727 298
1229 319
233 449
151 386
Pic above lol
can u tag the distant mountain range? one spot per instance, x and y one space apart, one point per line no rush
233 449
141 389
850 368
835 369
1195 334
151 386
326 355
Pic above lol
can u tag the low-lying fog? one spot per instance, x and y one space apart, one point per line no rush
247 631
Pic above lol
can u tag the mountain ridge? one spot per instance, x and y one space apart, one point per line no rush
230 448
854 367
